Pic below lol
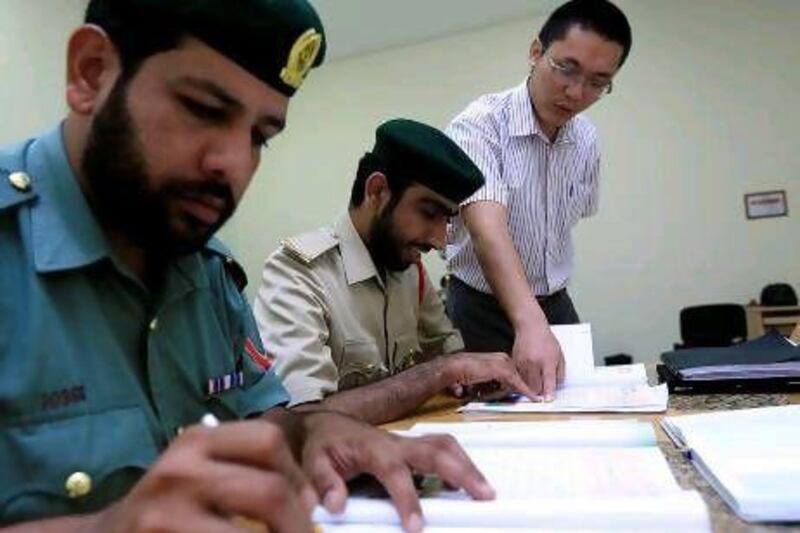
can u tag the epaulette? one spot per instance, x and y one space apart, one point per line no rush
306 247
232 267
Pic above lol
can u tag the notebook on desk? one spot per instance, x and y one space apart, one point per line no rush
769 363
572 475
750 456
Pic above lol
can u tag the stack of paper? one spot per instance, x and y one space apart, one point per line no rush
751 457
588 476
587 388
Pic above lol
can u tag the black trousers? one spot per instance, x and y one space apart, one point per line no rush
483 323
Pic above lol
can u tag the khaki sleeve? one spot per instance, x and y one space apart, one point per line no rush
290 310
437 335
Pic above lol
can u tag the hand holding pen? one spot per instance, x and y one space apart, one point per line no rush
209 475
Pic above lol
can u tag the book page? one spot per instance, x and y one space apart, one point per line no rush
750 456
617 398
594 433
554 488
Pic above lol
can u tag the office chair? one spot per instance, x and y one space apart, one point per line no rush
712 325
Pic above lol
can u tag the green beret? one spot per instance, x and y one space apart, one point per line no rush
421 153
278 41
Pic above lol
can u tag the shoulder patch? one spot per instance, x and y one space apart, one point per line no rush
307 247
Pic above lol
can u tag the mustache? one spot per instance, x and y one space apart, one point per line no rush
422 247
213 189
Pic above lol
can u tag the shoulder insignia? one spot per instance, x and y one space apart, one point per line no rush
306 247
16 185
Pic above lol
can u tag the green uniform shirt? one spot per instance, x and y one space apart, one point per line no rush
97 373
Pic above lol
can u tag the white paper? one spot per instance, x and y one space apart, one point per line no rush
552 488
582 433
750 456
587 388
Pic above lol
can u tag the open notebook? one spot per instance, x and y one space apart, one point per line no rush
573 475
751 457
587 388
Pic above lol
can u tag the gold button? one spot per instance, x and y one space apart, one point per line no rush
20 181
78 484
153 324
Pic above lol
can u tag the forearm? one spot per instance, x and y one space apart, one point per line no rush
390 398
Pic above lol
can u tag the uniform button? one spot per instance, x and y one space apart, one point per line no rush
78 484
153 324
20 181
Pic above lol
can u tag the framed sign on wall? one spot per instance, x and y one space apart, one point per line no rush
766 204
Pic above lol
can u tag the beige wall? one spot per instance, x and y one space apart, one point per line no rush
702 113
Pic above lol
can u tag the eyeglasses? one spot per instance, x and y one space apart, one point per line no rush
572 75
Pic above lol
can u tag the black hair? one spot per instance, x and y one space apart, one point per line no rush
599 16
369 164
135 35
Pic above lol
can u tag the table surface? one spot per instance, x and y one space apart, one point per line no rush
443 409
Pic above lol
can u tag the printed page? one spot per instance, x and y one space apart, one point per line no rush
555 489
620 398
576 345
595 433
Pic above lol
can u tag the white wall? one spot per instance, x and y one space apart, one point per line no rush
701 114
33 37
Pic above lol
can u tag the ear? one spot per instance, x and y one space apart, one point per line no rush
376 191
93 67
535 52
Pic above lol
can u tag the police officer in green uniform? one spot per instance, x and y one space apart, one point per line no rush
347 311
123 322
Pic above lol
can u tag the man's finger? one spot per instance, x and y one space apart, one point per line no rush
562 369
532 375
263 496
262 444
549 381
443 456
396 478
328 483
514 381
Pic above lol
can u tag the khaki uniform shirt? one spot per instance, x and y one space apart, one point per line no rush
331 323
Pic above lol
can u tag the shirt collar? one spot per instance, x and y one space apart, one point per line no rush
358 264
523 122
65 232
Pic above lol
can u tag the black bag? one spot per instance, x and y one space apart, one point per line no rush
778 294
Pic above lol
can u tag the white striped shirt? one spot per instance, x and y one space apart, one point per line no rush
546 187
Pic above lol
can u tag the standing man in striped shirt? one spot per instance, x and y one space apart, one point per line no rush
510 250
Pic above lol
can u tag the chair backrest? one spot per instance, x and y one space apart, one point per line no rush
713 325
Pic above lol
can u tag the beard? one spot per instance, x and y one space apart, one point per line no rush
122 198
386 246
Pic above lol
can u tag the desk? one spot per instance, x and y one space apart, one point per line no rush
441 409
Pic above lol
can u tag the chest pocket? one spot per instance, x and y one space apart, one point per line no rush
407 351
361 364
96 457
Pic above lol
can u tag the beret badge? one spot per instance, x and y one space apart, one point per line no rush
301 58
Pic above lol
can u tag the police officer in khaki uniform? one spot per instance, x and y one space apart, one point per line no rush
123 322
350 305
